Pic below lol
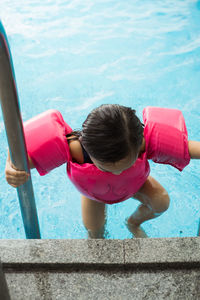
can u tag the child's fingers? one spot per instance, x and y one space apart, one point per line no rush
16 178
19 178
17 174
13 171
15 182
12 167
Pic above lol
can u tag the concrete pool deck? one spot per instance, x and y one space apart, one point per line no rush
162 268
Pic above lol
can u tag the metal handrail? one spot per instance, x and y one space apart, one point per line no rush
15 136
4 291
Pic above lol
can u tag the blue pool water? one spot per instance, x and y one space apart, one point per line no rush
75 55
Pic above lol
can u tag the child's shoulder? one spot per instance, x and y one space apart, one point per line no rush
76 150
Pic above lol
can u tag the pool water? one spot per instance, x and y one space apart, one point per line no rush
76 55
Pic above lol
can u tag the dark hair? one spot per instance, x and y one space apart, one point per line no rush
111 132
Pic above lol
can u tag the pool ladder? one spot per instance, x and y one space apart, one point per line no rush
15 136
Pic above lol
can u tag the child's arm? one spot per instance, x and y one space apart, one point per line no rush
16 177
194 149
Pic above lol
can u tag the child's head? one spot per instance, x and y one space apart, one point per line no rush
112 133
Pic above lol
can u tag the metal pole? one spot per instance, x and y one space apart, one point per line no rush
4 293
15 136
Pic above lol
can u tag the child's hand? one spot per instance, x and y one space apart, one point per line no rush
14 177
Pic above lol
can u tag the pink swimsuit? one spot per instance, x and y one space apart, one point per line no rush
166 140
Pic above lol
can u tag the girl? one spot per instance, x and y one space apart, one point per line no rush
108 159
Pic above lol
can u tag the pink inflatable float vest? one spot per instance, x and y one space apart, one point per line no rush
166 142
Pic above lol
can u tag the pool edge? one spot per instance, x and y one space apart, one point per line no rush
163 251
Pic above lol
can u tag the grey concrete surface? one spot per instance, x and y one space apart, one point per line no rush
169 250
62 251
102 269
162 284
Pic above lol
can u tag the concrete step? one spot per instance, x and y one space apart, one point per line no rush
165 268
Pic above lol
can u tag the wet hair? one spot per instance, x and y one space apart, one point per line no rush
111 132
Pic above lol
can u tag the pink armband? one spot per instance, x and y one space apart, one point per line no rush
46 140
166 142
166 136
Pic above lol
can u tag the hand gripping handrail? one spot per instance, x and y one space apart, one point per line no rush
15 136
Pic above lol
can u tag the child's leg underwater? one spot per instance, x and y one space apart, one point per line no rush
155 200
93 215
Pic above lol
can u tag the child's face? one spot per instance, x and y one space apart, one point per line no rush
115 168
